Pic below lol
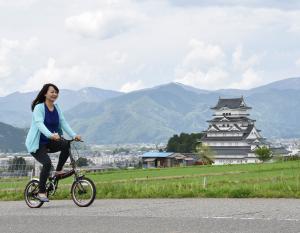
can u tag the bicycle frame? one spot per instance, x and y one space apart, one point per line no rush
53 181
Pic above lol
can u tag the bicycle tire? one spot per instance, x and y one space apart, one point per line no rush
76 189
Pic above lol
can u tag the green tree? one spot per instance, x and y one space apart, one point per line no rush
263 153
184 143
17 163
204 153
81 162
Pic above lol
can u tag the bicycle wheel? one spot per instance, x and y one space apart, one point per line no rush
30 192
83 192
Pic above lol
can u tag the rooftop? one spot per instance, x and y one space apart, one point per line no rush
157 154
233 103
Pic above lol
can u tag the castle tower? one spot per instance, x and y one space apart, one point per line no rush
232 134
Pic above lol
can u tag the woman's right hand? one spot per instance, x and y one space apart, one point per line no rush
55 137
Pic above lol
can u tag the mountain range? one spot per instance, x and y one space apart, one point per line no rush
155 114
12 139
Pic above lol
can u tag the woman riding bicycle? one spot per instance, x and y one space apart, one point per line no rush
44 134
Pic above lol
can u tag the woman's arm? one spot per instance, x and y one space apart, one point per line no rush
38 118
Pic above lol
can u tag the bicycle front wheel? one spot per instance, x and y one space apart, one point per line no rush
83 192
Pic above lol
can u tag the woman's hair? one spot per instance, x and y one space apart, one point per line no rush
41 96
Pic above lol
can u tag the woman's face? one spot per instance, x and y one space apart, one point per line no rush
51 94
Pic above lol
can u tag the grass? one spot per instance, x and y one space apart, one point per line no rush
270 180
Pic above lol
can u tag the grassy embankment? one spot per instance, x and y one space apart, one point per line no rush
281 179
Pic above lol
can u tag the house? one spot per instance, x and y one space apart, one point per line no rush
165 159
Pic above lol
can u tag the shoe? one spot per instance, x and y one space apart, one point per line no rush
42 198
59 173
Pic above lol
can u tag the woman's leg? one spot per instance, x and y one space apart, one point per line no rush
62 146
42 156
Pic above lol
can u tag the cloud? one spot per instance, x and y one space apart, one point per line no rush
297 62
72 77
118 57
6 50
104 23
240 63
11 54
249 78
203 54
232 3
17 3
206 66
212 44
212 79
132 86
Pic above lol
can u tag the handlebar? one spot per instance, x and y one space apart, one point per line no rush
70 140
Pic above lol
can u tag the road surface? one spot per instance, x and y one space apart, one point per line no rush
154 215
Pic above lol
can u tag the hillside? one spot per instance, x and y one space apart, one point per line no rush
153 115
12 139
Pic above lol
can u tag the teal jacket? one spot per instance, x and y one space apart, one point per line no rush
37 127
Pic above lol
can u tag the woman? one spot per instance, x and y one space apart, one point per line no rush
45 132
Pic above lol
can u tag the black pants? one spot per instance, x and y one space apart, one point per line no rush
42 156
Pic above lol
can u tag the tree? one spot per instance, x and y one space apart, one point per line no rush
184 143
81 162
205 153
17 163
263 153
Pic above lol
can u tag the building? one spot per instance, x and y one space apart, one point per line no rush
232 134
164 159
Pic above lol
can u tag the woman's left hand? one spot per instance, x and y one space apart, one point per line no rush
77 138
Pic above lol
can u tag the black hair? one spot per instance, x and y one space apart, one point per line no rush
41 96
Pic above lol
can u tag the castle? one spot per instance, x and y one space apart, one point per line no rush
232 134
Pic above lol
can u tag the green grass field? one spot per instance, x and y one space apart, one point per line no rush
280 179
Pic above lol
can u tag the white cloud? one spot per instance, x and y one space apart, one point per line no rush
297 62
118 57
202 54
104 23
235 45
212 79
72 77
132 86
16 3
6 49
239 63
249 79
30 44
211 69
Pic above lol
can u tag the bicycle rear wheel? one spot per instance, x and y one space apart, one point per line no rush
30 192
83 192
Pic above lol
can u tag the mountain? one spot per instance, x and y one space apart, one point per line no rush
12 139
150 115
155 114
285 84
15 108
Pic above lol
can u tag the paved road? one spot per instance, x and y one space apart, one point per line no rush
154 215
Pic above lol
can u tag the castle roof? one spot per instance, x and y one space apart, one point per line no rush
245 132
233 103
231 119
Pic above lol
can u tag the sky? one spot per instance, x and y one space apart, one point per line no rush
126 45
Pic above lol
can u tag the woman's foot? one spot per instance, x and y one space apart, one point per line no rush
58 173
42 197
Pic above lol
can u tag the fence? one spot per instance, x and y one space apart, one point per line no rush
17 170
